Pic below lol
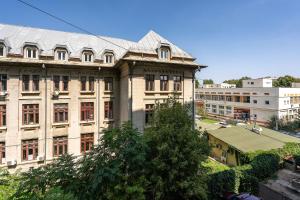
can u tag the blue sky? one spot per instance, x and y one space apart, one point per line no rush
233 37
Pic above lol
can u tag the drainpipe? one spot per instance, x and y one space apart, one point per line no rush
45 147
98 106
131 90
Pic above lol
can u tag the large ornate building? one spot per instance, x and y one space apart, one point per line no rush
59 90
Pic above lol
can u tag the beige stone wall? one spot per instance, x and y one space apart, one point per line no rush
15 131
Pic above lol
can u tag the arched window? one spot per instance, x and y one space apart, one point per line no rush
87 56
164 53
2 50
31 52
61 54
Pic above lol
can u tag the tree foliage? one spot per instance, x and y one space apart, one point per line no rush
237 82
208 81
285 81
176 152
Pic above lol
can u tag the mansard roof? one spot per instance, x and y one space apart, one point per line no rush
48 40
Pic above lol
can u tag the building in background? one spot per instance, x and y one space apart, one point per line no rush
256 100
221 85
60 90
295 85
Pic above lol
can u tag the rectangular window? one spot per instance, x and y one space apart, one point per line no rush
148 113
3 82
177 83
108 58
1 50
2 115
255 101
91 83
164 86
108 110
150 78
267 102
87 111
88 57
25 81
60 146
2 151
65 82
56 80
61 55
108 84
35 83
30 114
29 149
83 83
60 112
87 142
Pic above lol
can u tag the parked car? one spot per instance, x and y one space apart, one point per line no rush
242 196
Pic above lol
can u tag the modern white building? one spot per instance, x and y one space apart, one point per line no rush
221 85
256 100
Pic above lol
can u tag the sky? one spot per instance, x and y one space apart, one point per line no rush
234 38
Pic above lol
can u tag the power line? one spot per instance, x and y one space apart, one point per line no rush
68 23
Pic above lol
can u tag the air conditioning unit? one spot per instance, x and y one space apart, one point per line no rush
11 163
40 158
56 93
3 93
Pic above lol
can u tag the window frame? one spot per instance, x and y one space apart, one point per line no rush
33 51
65 83
3 47
149 111
25 83
177 82
164 83
61 54
26 112
150 82
3 82
164 53
60 112
86 142
3 115
88 54
108 110
108 84
35 82
87 111
109 58
60 142
27 145
2 152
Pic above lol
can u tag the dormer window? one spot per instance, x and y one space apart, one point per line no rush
108 58
164 54
31 52
87 56
2 50
61 54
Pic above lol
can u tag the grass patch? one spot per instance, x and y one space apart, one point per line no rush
209 121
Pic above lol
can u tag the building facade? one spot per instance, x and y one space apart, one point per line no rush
59 90
256 100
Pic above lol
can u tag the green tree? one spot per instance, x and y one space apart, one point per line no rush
176 151
197 83
238 82
284 81
208 81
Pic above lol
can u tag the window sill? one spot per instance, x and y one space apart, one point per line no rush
63 92
30 92
3 128
60 124
31 126
87 92
108 120
87 123
108 91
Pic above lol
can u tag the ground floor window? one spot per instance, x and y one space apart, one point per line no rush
2 151
60 145
29 149
87 142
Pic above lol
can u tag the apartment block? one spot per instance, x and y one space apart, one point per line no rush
59 91
256 100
